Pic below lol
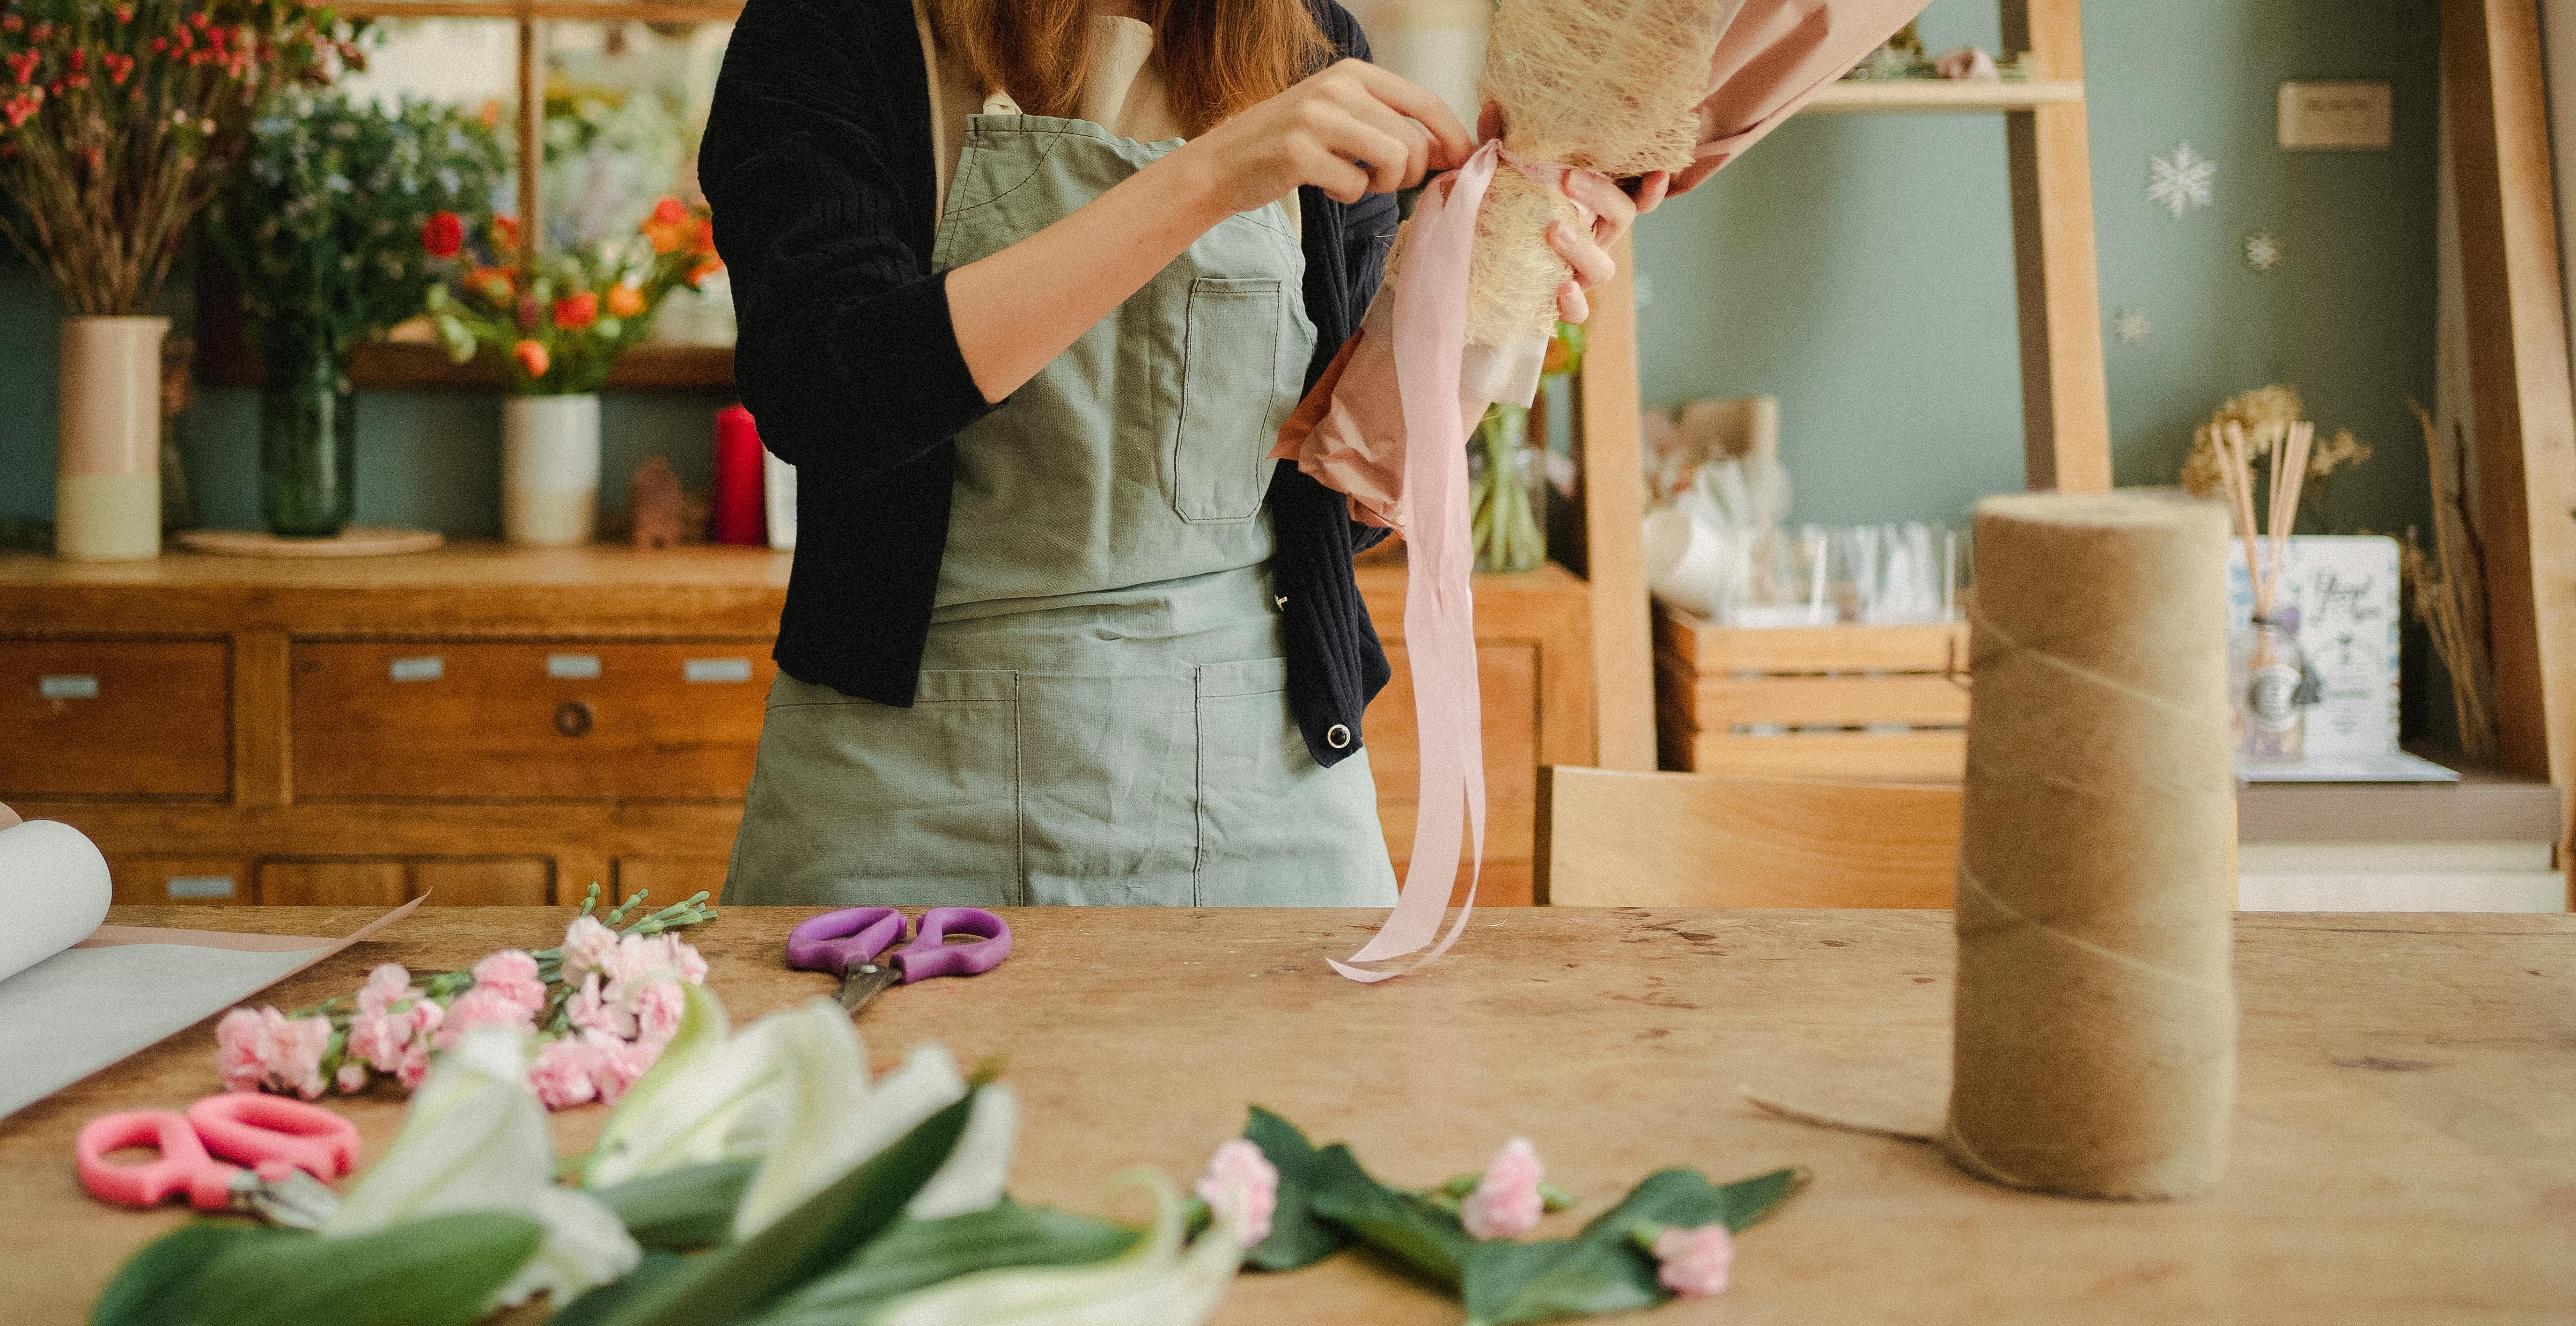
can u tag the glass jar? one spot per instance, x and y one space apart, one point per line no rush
1507 492
308 446
2271 715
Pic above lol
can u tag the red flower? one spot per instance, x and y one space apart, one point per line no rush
118 66
574 312
443 234
670 212
125 13
706 268
79 59
505 234
23 64
706 236
11 23
495 284
532 357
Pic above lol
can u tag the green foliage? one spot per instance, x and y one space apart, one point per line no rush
1602 1269
325 225
158 1285
440 1271
681 1208
1298 1237
917 1254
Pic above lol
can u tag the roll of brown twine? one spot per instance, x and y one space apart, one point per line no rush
2094 1032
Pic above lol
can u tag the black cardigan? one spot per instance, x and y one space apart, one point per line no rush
817 161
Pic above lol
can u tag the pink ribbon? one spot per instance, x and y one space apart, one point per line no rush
1430 339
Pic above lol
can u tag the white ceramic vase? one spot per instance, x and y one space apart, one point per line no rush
550 470
107 474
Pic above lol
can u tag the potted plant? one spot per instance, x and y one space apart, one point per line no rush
326 225
118 123
558 323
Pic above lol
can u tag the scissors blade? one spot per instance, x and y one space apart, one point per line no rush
297 1201
862 983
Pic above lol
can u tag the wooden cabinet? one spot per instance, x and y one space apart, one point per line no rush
493 725
111 717
570 720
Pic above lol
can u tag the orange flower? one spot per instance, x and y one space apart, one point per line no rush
670 211
706 236
505 234
576 311
494 283
705 269
624 301
532 357
664 238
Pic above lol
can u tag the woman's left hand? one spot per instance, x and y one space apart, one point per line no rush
1614 207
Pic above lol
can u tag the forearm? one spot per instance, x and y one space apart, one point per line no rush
1016 310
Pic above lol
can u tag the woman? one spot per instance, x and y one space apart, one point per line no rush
1026 288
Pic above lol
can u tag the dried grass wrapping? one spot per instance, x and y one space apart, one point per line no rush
1611 86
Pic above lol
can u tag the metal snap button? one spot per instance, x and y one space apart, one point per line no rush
1338 737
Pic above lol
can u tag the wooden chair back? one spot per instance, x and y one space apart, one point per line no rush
1615 838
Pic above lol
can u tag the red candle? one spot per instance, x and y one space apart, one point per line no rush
736 510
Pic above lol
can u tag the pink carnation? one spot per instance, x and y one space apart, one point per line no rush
379 1039
265 1050
1242 1182
414 1066
480 1007
1506 1202
352 1076
657 1011
590 1010
617 1063
562 1076
513 975
1694 1261
237 1050
386 985
586 947
641 958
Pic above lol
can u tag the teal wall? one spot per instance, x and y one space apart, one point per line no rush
1859 268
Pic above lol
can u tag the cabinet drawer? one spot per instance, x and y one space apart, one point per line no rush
1507 675
123 718
511 881
558 720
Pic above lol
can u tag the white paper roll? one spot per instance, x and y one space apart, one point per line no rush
53 889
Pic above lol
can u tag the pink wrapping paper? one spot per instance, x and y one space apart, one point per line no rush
1409 374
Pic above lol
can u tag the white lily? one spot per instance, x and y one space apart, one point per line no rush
1155 1283
475 1140
710 1097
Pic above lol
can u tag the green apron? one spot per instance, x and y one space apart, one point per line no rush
1103 712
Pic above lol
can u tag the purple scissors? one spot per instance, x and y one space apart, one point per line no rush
847 943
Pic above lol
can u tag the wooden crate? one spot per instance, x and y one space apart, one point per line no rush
1832 701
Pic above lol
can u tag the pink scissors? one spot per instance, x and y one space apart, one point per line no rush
847 944
292 1150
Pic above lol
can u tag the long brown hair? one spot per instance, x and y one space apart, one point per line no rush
1219 56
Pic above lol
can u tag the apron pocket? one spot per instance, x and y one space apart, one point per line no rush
1229 386
1276 829
858 803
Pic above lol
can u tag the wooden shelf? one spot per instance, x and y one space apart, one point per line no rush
1940 95
2484 806
595 11
413 366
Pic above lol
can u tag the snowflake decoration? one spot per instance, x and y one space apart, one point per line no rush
2131 326
2180 181
2262 250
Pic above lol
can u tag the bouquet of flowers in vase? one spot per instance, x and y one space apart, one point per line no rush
561 320
120 122
325 227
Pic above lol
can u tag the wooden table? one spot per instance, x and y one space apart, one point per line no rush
2405 1135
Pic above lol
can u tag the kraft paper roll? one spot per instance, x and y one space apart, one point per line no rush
2094 1048
53 889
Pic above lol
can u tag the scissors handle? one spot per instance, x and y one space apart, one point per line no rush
271 1132
838 941
930 954
182 1166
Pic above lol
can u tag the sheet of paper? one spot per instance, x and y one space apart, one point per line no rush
2395 766
126 987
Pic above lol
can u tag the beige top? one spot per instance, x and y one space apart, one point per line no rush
1123 92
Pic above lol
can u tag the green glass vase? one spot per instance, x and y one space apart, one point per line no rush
308 446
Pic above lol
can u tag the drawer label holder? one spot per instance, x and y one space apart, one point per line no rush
572 667
68 686
424 667
715 669
200 886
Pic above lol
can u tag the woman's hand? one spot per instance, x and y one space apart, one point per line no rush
1348 129
1615 207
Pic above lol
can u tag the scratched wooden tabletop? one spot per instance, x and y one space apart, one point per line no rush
2405 1133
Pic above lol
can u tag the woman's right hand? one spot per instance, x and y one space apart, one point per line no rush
1349 129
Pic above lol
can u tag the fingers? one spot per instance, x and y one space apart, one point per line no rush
1326 170
1449 138
1489 121
1591 262
1650 190
1386 138
1612 209
1571 304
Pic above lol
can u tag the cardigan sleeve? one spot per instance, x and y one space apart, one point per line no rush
846 353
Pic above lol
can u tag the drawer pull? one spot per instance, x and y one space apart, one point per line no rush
68 686
572 667
716 669
573 718
200 886
426 667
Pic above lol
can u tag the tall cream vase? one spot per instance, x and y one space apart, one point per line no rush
107 485
550 470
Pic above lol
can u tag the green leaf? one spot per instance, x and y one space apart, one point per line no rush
1298 1237
739 1280
435 1272
1420 1235
607 1300
1602 1269
157 1285
917 1254
689 1207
